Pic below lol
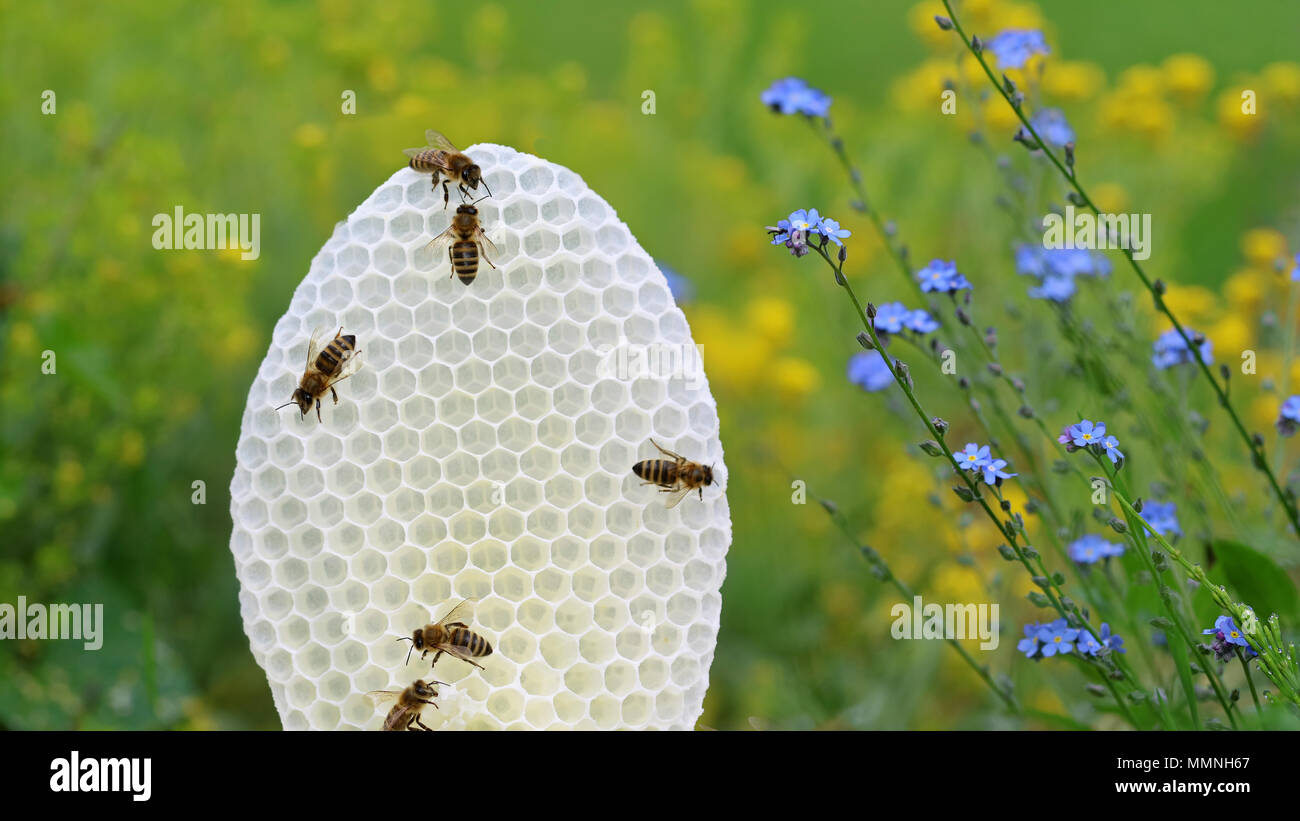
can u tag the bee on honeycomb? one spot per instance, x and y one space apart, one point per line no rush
484 453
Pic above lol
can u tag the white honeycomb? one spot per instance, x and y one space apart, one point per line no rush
484 451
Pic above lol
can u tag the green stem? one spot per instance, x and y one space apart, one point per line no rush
1278 665
1288 353
1245 666
1257 455
882 571
1008 530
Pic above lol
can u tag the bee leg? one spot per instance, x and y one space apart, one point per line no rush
451 262
446 195
678 457
701 494
436 656
318 419
336 395
421 723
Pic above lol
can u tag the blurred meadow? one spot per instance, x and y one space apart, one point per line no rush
236 108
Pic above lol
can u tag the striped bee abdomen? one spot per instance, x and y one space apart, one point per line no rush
426 161
330 360
469 641
464 259
660 471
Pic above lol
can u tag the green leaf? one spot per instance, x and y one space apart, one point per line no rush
1257 579
1179 651
1057 722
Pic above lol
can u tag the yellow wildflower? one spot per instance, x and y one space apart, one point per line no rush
1110 198
309 135
1188 77
1247 288
771 318
1263 247
1282 82
1232 334
1238 112
1073 80
1193 302
794 378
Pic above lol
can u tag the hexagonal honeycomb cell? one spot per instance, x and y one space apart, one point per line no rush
483 451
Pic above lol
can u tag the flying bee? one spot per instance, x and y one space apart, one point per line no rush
676 476
450 635
325 368
405 714
447 165
465 242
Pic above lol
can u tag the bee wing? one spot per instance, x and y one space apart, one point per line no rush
414 152
314 346
381 697
676 496
461 612
442 240
438 140
486 243
458 653
350 366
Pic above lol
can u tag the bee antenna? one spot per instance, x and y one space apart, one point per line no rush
485 185
408 652
285 405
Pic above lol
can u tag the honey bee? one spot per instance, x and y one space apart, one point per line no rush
676 475
405 714
325 367
450 635
465 242
447 165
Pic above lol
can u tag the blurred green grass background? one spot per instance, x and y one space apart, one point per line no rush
237 109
